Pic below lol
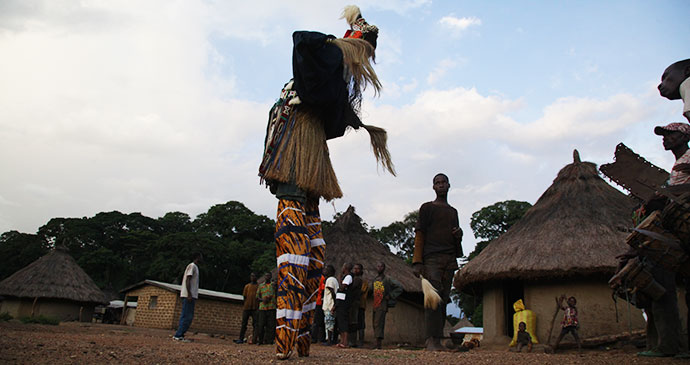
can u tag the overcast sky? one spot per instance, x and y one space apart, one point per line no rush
159 106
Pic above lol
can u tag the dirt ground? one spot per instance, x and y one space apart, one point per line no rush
81 343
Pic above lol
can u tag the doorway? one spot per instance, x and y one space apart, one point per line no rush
512 291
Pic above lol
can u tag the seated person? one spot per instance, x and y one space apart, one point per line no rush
523 338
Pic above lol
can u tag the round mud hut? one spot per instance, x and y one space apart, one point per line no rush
565 244
53 286
348 241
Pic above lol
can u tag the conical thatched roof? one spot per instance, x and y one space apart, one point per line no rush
56 276
348 241
576 228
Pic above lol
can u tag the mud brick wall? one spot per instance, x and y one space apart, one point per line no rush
215 316
159 317
210 315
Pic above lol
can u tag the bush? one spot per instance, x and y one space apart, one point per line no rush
41 319
4 316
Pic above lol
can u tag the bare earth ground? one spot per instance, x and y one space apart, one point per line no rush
81 343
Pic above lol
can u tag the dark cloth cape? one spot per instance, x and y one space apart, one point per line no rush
318 72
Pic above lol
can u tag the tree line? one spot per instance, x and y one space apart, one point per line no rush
118 250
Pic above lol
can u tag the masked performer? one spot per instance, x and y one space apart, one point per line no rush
319 103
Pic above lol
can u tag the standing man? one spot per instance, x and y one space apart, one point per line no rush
319 334
436 247
675 84
359 338
266 294
676 137
385 291
329 293
250 309
189 294
343 299
663 321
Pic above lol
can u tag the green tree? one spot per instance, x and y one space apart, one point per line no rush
175 222
492 221
488 223
399 235
18 250
118 249
233 220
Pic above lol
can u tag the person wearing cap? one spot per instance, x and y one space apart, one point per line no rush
320 103
675 84
663 320
676 137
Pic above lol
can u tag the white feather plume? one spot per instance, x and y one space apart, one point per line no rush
350 14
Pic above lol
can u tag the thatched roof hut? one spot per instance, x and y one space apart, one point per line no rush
54 278
576 228
348 241
573 232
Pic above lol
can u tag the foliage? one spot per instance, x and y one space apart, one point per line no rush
118 249
399 235
4 316
17 250
41 319
470 304
488 223
492 221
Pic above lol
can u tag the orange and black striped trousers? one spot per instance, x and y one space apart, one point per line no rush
300 251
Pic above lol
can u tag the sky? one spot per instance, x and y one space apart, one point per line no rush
160 106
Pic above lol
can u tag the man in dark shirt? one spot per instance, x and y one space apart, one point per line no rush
436 247
354 295
251 305
385 291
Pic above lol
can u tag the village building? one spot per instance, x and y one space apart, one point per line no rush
159 306
348 241
53 286
565 244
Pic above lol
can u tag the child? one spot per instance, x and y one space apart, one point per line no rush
570 322
523 338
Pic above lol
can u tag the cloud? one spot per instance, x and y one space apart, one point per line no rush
458 25
137 106
489 154
440 71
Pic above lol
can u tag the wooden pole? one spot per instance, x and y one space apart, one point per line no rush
33 307
553 320
123 320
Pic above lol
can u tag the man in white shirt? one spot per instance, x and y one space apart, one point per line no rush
189 294
328 306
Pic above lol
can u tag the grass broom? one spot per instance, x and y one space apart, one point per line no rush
431 297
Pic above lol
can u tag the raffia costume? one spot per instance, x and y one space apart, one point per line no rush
319 103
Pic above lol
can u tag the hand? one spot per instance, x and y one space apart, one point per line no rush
417 269
190 298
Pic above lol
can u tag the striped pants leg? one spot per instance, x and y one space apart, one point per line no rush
316 257
292 252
